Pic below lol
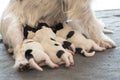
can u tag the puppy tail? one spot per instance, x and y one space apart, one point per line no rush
84 52
89 54
34 65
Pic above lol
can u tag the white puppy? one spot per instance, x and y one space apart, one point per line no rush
34 53
53 48
80 41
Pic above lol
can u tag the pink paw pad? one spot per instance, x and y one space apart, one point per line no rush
72 63
56 66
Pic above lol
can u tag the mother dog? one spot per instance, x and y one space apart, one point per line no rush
31 12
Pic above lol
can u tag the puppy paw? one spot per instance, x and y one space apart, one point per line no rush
72 63
68 65
107 43
56 66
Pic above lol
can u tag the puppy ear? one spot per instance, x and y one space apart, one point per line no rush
28 54
59 26
66 44
60 53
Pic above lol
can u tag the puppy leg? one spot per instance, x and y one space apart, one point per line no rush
65 58
85 53
34 65
96 47
50 63
71 59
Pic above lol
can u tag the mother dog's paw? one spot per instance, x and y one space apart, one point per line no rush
106 42
22 65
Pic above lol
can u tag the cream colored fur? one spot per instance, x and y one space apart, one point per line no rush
79 40
85 21
49 45
38 54
22 12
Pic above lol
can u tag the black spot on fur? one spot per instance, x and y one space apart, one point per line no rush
85 36
40 25
91 51
52 39
56 44
26 29
60 53
66 44
28 54
79 51
29 28
70 34
57 27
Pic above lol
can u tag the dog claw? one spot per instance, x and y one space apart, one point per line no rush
24 67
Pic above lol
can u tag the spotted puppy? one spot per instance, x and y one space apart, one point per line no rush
53 48
82 44
34 53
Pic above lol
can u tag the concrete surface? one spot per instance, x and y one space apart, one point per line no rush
103 66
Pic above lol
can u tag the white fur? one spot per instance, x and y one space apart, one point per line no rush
51 49
22 12
79 40
85 21
38 54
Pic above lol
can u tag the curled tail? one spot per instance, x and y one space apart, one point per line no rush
84 52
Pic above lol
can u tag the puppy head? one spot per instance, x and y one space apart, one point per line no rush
69 46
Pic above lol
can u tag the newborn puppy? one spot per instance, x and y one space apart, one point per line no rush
53 48
82 44
34 53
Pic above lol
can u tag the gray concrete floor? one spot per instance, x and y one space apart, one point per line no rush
102 66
